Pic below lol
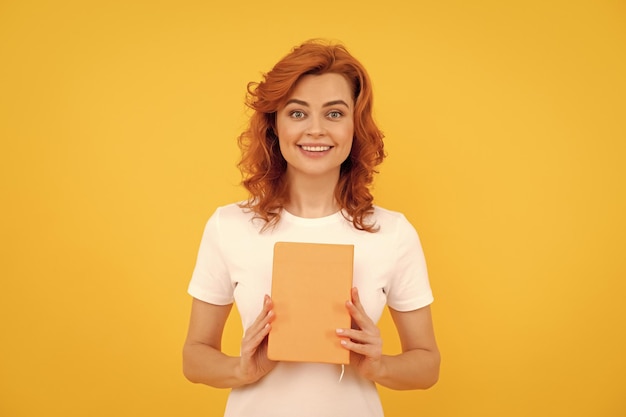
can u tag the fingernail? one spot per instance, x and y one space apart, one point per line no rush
339 330
343 342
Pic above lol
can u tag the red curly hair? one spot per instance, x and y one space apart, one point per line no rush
262 164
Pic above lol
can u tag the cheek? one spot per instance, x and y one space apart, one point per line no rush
286 131
349 141
347 135
282 146
347 147
279 126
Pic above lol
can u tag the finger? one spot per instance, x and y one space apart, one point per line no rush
260 328
256 333
357 312
360 336
264 315
356 301
354 292
367 350
267 306
251 343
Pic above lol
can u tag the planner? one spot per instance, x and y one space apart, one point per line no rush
311 283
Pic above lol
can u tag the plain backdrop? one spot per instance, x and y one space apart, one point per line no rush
505 129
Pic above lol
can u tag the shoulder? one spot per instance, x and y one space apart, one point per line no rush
390 219
233 218
232 212
395 226
381 212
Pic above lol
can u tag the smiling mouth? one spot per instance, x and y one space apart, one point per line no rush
315 148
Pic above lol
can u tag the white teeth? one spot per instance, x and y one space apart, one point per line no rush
315 148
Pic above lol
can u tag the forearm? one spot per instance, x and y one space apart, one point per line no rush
204 364
413 369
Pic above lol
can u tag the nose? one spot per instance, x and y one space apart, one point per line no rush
316 127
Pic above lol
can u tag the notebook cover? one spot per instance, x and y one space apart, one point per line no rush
311 283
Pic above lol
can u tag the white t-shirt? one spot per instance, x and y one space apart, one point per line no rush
235 265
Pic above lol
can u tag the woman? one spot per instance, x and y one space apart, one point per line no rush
308 158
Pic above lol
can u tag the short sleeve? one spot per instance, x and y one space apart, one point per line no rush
409 287
210 281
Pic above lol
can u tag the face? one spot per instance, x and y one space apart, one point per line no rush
316 126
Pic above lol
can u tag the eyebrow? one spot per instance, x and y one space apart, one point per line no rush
328 104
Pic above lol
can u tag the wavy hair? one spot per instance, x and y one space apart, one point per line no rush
262 165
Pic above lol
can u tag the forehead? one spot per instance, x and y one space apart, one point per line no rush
323 87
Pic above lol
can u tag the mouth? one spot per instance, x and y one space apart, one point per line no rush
319 148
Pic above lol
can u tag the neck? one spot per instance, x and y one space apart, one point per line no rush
312 197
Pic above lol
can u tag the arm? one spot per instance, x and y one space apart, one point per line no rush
417 367
203 360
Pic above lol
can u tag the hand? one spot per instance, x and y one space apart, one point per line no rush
364 341
254 363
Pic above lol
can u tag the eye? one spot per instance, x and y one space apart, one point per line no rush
297 114
335 114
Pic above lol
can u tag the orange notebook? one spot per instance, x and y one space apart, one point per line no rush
311 283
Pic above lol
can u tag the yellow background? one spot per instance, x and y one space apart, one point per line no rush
505 126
